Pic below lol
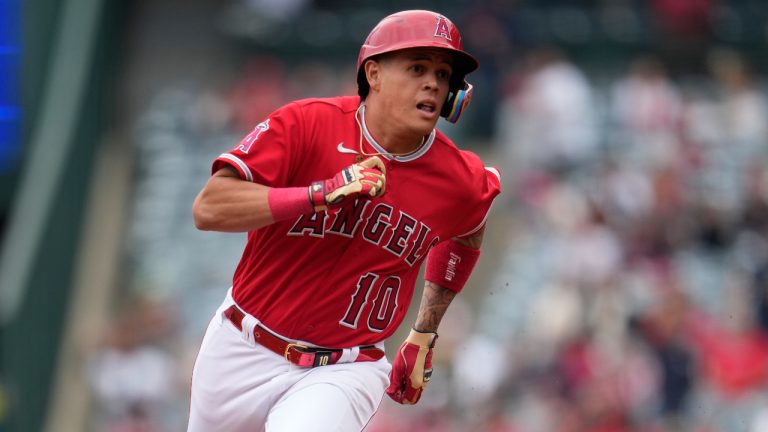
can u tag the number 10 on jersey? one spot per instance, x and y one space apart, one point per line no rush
383 306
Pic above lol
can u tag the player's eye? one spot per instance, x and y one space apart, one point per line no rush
417 68
444 74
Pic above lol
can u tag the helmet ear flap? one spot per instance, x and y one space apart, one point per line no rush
458 100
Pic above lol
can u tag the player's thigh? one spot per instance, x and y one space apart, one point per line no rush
234 383
334 398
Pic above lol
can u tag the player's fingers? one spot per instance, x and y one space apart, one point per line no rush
374 178
381 182
396 389
412 396
396 396
382 187
391 390
374 162
367 172
377 184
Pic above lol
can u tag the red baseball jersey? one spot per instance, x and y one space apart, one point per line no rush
346 277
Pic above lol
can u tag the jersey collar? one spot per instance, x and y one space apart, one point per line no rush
384 153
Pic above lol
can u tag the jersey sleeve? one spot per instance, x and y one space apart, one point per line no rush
264 156
487 186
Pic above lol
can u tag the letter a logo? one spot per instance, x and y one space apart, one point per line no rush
442 29
247 142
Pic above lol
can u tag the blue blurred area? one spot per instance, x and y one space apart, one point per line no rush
10 64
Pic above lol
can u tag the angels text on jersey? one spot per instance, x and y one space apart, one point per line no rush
382 226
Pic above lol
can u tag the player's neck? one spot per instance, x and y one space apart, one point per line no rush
389 136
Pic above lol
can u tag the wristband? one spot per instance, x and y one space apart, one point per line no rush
449 265
317 196
286 203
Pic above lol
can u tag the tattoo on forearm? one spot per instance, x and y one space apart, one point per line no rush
475 241
434 303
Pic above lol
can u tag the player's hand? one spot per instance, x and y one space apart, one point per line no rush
367 178
411 368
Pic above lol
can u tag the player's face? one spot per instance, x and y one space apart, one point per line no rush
414 86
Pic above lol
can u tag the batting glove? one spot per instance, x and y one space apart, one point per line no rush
411 368
367 178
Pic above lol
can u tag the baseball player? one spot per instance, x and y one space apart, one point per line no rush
343 199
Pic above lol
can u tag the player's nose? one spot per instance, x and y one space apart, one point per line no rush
431 81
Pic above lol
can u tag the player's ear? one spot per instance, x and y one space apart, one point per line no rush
373 74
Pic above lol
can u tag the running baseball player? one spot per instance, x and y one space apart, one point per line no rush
343 199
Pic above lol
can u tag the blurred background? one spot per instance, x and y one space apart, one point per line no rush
624 280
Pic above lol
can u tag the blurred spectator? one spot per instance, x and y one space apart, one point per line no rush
759 422
744 108
471 389
684 29
733 353
663 329
684 19
751 245
623 192
733 350
210 113
589 255
731 131
261 88
134 382
658 235
760 296
550 121
649 109
493 33
316 79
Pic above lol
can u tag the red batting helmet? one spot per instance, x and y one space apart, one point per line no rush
417 29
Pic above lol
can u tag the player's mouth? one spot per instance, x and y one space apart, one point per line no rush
429 109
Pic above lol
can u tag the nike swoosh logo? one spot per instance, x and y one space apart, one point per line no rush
343 149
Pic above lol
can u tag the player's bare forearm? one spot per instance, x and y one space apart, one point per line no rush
434 302
230 204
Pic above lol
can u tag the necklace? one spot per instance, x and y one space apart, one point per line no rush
361 114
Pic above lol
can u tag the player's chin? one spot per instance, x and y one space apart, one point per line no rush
422 129
424 125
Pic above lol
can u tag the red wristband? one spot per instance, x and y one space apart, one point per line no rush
449 264
286 203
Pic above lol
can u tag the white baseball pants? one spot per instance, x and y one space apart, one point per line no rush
238 385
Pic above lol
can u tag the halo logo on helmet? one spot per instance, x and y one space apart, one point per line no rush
418 29
442 28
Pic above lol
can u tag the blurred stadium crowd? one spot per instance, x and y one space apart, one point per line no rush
625 282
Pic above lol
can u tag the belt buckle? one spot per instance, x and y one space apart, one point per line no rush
288 347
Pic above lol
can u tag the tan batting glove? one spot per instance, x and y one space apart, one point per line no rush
366 178
411 368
